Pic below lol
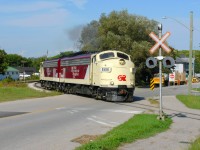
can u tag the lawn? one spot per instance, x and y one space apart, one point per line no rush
138 127
195 145
190 101
18 93
196 89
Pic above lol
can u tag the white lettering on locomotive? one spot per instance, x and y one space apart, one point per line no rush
75 71
106 69
48 72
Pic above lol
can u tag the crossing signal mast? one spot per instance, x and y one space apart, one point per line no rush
168 62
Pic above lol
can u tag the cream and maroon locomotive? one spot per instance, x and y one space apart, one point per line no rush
107 75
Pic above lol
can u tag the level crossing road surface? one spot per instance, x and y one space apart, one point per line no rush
141 93
51 123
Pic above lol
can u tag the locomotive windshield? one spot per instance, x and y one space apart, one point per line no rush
124 56
107 55
112 54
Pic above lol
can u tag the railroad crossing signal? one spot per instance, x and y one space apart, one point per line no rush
152 84
159 42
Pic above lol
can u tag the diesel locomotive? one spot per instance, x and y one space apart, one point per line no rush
107 75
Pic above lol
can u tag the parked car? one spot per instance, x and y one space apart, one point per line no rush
23 75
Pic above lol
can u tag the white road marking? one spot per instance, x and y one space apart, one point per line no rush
124 111
60 108
100 122
73 111
78 108
112 122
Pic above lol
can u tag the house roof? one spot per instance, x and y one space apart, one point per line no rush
183 60
12 69
26 69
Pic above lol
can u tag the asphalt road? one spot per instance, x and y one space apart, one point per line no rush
141 93
52 122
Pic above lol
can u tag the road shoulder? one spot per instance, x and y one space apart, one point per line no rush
184 130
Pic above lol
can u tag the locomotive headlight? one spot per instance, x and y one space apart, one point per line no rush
111 83
122 62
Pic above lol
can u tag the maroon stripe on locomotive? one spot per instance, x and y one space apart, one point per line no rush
58 69
76 70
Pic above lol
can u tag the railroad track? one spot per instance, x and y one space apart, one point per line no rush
37 86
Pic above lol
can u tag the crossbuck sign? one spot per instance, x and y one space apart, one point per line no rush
159 42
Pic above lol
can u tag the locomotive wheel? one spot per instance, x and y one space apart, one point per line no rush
98 94
129 98
57 87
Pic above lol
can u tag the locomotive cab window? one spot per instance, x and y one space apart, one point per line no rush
124 56
107 55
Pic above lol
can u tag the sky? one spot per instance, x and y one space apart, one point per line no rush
30 28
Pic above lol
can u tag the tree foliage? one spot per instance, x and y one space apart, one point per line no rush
120 30
35 62
3 62
17 60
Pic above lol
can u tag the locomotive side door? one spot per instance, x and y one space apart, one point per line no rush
41 71
94 73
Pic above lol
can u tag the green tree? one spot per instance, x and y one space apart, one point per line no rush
3 63
36 62
197 61
16 60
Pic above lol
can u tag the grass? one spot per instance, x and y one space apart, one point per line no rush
195 145
153 101
196 89
138 127
190 101
17 91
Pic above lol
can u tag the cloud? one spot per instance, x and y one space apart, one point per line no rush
28 7
37 13
33 14
79 3
54 17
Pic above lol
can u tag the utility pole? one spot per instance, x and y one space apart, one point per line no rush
190 54
191 29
